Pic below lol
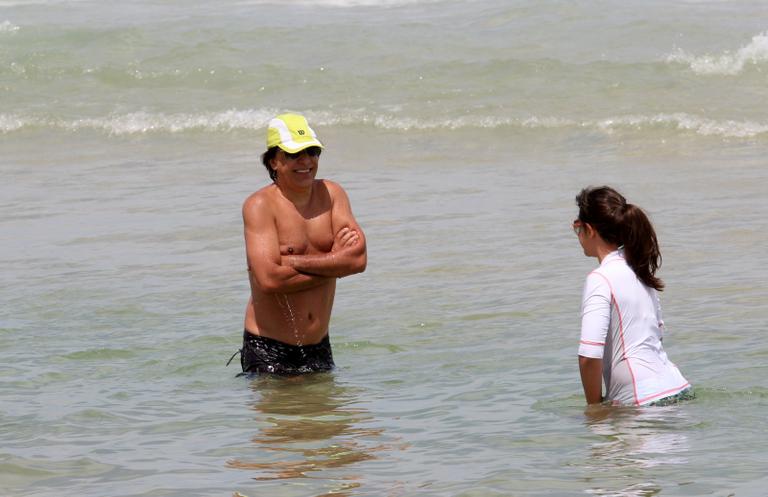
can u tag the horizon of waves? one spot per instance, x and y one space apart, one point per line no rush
142 123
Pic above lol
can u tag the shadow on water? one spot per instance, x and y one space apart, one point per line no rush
310 427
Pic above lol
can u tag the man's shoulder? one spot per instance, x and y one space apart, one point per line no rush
263 194
334 189
260 200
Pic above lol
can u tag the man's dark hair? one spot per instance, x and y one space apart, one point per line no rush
266 159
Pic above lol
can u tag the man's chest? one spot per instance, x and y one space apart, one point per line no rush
298 235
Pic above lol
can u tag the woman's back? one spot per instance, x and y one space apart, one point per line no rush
636 369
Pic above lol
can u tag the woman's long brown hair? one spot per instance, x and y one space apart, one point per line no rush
622 223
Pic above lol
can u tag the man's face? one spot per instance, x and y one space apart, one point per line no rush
299 169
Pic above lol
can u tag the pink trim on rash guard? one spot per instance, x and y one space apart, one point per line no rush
671 391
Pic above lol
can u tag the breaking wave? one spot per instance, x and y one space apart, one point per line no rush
756 52
342 3
140 123
8 27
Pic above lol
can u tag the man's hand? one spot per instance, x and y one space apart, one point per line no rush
345 238
347 256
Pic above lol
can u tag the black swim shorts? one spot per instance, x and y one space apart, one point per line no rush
267 355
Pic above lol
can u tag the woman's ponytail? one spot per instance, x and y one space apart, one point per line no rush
641 247
621 223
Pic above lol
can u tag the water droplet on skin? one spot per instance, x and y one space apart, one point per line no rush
290 316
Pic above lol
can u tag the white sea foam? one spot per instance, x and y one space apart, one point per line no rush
8 27
29 3
686 122
145 122
138 123
10 122
728 63
342 3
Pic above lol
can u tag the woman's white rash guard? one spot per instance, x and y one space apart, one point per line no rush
621 323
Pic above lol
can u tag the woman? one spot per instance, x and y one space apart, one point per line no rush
621 324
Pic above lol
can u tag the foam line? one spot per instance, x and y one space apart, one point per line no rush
730 64
139 123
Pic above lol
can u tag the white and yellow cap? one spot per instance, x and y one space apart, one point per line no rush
292 133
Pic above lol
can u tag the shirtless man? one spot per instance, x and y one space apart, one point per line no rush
300 236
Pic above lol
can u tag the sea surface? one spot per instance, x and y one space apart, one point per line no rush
131 133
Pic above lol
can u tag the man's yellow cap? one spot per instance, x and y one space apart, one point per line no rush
292 133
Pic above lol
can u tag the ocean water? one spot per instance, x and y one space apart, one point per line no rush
130 134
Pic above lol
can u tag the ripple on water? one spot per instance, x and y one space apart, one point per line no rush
101 354
24 473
